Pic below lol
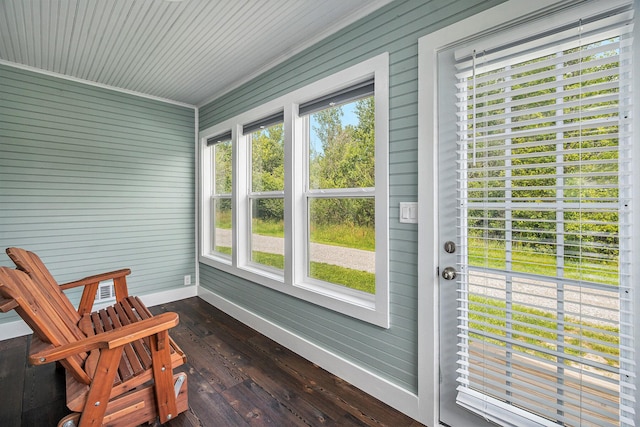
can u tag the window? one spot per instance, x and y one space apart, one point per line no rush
221 193
340 194
308 199
266 193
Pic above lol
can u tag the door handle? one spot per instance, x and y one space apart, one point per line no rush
449 273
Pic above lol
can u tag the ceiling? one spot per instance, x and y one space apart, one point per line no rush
189 51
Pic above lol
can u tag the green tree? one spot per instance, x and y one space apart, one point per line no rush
345 159
267 169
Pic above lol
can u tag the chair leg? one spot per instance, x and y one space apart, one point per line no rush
98 397
163 376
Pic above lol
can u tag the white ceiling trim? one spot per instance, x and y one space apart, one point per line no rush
92 83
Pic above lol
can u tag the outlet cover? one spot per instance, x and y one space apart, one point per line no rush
187 280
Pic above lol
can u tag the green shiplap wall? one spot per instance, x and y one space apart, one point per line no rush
391 353
95 180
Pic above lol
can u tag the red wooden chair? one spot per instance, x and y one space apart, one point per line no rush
119 361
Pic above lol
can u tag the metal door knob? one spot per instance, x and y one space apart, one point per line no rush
449 273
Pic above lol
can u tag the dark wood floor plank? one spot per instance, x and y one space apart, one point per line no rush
337 391
208 362
206 406
37 392
12 371
305 383
292 394
258 407
44 401
237 377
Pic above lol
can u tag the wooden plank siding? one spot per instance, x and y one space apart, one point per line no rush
94 180
392 353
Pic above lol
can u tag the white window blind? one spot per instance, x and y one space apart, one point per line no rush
544 209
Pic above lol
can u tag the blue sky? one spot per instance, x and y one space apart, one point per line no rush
349 117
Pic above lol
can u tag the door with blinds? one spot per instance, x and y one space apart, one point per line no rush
534 213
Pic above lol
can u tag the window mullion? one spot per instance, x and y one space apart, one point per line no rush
240 202
294 167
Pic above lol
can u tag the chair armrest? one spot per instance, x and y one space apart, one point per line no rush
110 339
91 287
96 278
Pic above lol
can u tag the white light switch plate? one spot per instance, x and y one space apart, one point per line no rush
409 212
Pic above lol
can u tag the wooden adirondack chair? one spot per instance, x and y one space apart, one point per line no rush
119 361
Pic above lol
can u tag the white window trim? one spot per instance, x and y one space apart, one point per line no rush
369 308
429 46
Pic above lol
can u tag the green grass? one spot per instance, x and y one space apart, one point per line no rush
264 228
539 328
223 250
269 259
337 235
492 254
354 279
268 228
350 278
223 219
345 235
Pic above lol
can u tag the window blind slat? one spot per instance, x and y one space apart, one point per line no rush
529 377
497 92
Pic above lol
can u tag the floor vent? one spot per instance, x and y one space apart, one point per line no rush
105 291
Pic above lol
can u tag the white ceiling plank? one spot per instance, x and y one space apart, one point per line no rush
163 32
56 28
45 14
131 45
32 27
6 45
187 52
70 15
22 47
98 38
78 40
127 21
176 49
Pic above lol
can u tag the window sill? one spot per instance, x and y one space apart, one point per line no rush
358 305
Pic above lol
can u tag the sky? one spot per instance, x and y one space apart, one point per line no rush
349 117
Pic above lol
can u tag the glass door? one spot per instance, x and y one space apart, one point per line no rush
534 211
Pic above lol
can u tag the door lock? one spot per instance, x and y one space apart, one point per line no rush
449 273
449 247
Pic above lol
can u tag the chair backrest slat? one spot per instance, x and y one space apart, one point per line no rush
31 264
42 313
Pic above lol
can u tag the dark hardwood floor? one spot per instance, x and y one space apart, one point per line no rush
237 377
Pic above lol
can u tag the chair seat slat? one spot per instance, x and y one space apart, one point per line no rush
143 355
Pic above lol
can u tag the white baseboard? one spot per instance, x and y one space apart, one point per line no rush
19 328
369 382
14 329
169 296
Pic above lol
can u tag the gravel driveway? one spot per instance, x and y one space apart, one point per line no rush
356 259
592 303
